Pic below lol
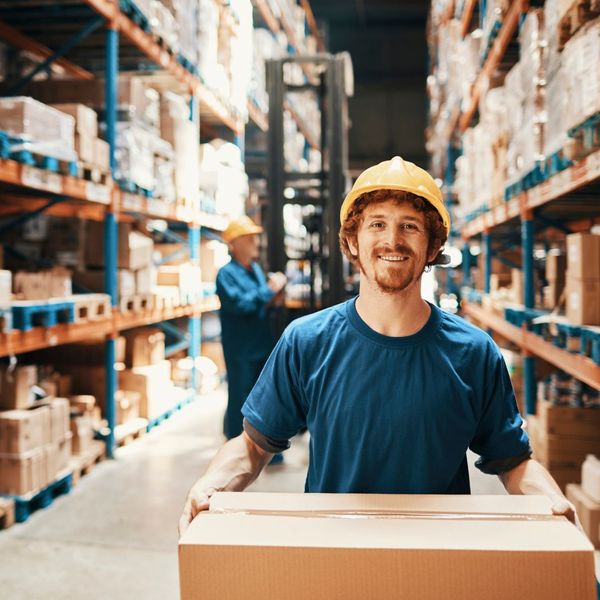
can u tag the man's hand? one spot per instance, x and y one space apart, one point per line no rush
198 500
277 281
563 507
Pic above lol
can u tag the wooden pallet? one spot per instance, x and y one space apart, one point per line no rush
130 431
138 303
166 297
91 307
584 139
7 513
574 17
83 464
29 313
93 173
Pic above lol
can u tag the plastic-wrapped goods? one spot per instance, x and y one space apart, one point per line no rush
185 12
265 47
532 49
241 51
491 19
468 56
164 24
40 128
581 60
164 170
145 7
555 133
207 24
552 56
134 155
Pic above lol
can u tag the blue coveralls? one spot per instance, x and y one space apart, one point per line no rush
245 333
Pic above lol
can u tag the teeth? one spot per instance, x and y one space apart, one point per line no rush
394 258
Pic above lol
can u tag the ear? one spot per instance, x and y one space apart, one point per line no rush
433 254
353 246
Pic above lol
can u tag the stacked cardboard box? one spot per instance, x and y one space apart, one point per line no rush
39 128
91 150
35 446
185 278
136 274
586 498
43 285
556 265
562 436
16 386
583 279
400 547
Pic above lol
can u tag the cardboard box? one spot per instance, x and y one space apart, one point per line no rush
401 547
64 453
94 281
177 254
85 146
154 385
15 387
82 404
128 406
583 256
590 477
169 275
588 511
5 288
556 266
82 430
49 463
517 285
102 155
24 430
86 119
144 347
89 352
145 280
214 351
583 300
23 473
59 419
568 421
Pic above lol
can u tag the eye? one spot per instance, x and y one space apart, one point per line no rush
377 225
409 227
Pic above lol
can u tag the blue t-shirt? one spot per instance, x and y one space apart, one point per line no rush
245 327
388 414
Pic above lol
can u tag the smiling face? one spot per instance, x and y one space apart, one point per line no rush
391 245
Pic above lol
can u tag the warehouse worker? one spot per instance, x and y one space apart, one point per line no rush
245 294
392 390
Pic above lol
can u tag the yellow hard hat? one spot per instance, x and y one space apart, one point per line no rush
239 227
397 174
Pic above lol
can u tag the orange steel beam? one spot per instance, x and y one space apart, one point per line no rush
17 39
467 17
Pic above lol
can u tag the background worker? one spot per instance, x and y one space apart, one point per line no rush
392 389
245 294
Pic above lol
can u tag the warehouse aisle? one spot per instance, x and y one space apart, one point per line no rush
115 535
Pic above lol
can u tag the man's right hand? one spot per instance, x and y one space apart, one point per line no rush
198 500
277 281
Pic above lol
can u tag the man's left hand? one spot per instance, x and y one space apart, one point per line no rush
566 509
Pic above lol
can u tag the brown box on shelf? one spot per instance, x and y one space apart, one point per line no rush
59 419
85 146
89 352
320 555
583 300
169 275
517 285
82 428
90 381
24 430
102 155
500 280
583 256
588 511
21 474
568 421
64 451
556 266
144 347
128 406
177 253
49 463
15 386
86 119
83 404
552 293
154 385
208 261
145 280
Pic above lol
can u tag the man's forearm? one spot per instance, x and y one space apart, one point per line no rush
530 477
236 465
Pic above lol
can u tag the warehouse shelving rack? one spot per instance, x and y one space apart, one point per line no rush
37 191
568 195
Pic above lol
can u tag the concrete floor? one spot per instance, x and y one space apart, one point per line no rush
115 535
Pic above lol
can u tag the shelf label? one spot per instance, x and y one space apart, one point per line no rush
41 179
131 202
97 192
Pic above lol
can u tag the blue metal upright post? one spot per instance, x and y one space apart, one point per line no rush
110 230
466 254
194 251
527 234
487 257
